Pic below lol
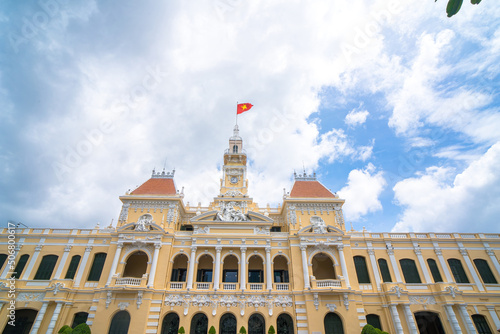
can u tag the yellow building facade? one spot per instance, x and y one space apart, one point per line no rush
232 263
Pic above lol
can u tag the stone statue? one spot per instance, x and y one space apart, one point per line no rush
229 213
318 225
143 223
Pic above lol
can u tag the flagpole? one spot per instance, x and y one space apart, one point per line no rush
236 112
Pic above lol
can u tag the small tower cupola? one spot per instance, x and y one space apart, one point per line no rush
235 142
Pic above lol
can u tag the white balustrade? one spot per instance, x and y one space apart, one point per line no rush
229 286
282 286
328 283
255 286
176 285
128 281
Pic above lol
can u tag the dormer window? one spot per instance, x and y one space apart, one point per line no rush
235 149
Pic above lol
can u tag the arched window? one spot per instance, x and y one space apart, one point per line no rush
256 324
410 271
458 271
227 324
436 275
281 269
46 267
170 324
322 267
481 324
96 269
255 269
137 265
179 269
235 148
374 320
485 271
79 318
284 324
361 270
333 324
205 269
199 324
20 265
24 321
120 323
429 322
73 266
3 257
384 270
230 269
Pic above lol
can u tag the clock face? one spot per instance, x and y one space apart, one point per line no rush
234 179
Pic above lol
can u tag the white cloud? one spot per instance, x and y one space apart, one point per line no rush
354 117
362 192
440 201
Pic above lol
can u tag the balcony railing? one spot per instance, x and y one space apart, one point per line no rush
128 281
328 283
282 286
177 285
203 286
229 286
255 286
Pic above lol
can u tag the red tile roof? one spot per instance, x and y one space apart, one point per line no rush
310 189
156 186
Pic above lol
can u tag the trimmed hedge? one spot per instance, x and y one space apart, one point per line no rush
369 329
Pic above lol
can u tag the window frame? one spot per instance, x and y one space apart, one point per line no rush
97 267
410 271
361 269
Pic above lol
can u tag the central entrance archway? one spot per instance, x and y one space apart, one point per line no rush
429 323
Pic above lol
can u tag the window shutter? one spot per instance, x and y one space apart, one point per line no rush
46 267
436 275
458 271
485 271
361 270
20 266
384 270
410 271
73 266
96 270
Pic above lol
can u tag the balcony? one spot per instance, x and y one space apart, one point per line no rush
281 286
255 286
178 285
203 285
327 283
129 281
229 286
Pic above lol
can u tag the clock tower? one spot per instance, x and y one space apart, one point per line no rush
234 181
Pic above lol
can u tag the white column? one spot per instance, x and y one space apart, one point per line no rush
396 319
116 258
243 268
82 266
218 250
305 268
494 316
409 319
394 264
151 279
192 260
53 320
63 262
31 263
427 275
493 258
444 265
39 318
269 275
472 270
376 272
452 318
7 268
343 265
467 320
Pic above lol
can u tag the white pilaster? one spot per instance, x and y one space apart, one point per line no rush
394 264
444 265
269 275
63 262
82 267
343 265
53 320
151 279
452 318
472 270
494 316
427 275
243 268
409 318
39 318
218 250
192 261
305 268
396 319
494 259
32 261
467 320
114 265
376 272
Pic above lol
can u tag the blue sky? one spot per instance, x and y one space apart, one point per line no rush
392 104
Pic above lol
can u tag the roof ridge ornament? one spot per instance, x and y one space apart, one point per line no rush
163 174
304 177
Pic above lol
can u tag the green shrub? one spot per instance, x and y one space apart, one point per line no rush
212 330
181 330
63 328
369 329
81 329
243 330
271 330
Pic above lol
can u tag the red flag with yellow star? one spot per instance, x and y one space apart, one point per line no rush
242 107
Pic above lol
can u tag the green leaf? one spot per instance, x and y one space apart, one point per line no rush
453 7
475 2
